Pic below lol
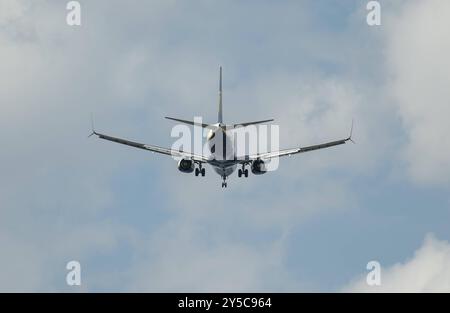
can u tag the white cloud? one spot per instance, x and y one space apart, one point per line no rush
418 46
11 10
427 271
179 259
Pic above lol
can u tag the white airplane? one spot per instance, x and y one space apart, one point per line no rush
223 160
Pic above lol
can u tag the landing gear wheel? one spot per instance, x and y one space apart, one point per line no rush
203 172
197 171
243 171
224 182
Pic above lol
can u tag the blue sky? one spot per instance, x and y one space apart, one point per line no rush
137 224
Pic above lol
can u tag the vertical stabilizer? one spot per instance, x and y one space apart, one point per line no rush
219 118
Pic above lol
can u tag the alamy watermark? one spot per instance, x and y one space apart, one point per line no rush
227 143
73 277
373 278
374 15
73 17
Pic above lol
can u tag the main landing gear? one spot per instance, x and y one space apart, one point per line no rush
243 171
200 170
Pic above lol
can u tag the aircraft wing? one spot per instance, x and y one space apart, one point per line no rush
177 153
288 152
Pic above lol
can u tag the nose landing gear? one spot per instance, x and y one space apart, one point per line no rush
224 183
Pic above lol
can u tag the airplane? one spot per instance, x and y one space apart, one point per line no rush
223 160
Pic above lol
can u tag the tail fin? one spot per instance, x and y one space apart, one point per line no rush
219 117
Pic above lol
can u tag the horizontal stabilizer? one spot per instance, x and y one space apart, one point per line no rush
252 123
187 122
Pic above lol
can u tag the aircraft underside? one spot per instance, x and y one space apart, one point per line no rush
224 172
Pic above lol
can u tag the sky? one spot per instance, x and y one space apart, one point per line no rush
135 223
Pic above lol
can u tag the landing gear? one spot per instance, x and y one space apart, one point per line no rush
243 171
200 170
224 183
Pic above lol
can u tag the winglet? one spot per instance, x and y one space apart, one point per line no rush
351 133
92 126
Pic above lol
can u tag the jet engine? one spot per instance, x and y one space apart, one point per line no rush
258 167
186 166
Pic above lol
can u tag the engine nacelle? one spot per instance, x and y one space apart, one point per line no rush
186 166
258 167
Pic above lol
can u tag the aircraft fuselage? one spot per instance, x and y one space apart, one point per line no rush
221 147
